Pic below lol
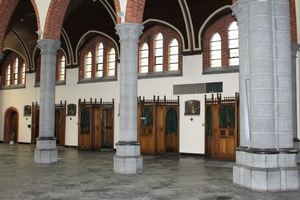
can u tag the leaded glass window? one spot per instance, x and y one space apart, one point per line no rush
144 56
62 68
233 36
100 52
23 74
8 75
16 71
158 53
215 51
173 55
111 62
88 65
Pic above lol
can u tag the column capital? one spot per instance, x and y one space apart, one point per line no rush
240 10
48 45
129 30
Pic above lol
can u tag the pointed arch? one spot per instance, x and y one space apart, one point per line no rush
6 9
11 124
53 25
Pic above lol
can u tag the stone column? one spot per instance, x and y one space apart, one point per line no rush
128 159
46 151
267 161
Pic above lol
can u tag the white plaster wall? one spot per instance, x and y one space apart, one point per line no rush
18 98
191 131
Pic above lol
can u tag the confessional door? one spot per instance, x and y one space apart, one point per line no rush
95 131
35 115
96 128
221 127
154 119
60 121
107 125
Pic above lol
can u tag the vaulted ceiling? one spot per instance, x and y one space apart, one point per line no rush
82 16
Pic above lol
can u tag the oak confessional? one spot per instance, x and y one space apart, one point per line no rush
158 126
221 126
95 125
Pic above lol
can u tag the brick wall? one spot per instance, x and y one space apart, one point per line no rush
92 46
220 26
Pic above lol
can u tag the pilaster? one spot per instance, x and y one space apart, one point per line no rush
46 151
128 159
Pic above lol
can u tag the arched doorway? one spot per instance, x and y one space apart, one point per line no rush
11 125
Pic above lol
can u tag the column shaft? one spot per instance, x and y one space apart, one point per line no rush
46 151
128 159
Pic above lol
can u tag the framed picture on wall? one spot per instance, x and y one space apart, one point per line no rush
192 107
27 110
71 109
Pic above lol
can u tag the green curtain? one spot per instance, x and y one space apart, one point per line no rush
208 122
226 116
171 121
147 117
85 118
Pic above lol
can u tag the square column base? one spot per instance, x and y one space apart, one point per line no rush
266 172
46 151
128 159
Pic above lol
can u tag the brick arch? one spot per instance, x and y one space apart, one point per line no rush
54 19
6 10
134 11
37 15
7 123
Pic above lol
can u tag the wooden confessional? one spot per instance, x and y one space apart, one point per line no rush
158 126
221 126
95 125
60 122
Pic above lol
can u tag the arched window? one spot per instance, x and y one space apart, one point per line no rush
62 68
233 41
111 62
98 60
100 53
215 51
23 74
8 75
16 71
144 58
173 55
88 65
158 53
13 71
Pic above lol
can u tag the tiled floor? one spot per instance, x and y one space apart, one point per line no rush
89 175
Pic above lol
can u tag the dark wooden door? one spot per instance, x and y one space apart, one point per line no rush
95 128
35 124
107 128
60 120
14 127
